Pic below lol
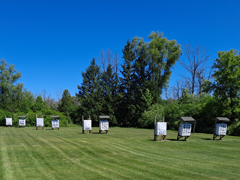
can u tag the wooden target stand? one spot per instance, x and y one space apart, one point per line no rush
88 131
186 120
156 136
219 120
55 118
39 127
8 125
104 118
24 118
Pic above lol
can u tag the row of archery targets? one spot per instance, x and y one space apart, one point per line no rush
185 128
160 128
39 122
86 124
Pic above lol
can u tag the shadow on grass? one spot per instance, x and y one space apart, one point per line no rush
176 140
206 138
92 133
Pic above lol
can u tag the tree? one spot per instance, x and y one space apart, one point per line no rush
226 85
90 93
10 90
196 66
147 66
125 112
66 104
38 105
109 83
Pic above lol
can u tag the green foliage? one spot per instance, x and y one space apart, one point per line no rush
10 91
66 104
146 69
226 85
147 118
110 96
234 128
90 93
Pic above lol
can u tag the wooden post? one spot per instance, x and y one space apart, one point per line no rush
82 123
154 129
162 136
91 124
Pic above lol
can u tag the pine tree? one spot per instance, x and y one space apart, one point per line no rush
109 83
125 111
66 104
90 93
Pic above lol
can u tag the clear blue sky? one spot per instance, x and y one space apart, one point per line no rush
52 42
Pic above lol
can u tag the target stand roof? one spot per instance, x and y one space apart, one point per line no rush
187 119
104 117
222 119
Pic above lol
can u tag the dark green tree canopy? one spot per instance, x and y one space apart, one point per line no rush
226 85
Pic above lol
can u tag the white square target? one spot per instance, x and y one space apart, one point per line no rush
39 122
161 128
221 129
87 124
185 129
9 121
55 123
22 122
103 125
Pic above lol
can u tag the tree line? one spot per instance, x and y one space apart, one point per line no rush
132 94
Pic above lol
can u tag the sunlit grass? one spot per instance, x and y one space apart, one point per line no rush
123 153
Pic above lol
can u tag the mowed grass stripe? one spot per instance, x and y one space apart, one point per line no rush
6 167
89 157
65 153
123 153
37 165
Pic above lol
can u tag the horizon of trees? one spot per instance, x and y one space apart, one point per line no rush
131 93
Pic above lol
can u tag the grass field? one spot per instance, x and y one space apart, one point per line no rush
123 153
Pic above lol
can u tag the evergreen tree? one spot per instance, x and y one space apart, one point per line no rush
90 93
109 85
66 105
125 111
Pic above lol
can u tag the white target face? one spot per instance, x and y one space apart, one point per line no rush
39 122
161 128
221 129
103 125
55 123
9 121
87 124
22 122
185 129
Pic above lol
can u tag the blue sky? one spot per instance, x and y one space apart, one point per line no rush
52 42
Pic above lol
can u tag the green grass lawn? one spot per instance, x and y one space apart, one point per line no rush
123 153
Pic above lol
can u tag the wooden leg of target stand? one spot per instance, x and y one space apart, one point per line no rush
186 138
100 131
106 131
221 136
82 131
163 137
178 137
214 136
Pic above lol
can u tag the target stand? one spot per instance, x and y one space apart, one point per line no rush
87 125
55 122
184 128
22 121
8 121
220 128
39 123
160 129
104 123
